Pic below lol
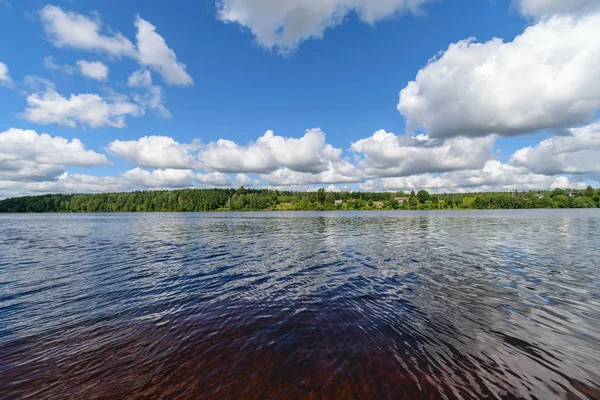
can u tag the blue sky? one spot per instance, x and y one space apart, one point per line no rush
483 115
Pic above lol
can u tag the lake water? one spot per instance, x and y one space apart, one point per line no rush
390 305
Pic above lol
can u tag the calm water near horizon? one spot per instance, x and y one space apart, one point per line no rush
365 305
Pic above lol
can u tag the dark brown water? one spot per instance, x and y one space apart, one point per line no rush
365 305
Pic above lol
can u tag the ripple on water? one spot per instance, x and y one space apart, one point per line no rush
301 305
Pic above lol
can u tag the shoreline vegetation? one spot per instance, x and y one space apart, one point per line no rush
201 200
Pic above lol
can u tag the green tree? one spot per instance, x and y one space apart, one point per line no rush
589 192
321 194
262 199
480 202
424 196
329 198
413 201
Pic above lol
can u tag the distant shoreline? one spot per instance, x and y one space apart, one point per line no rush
216 212
230 200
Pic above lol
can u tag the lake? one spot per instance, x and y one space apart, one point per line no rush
377 305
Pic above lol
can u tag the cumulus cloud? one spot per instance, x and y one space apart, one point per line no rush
140 78
32 163
73 30
159 178
245 180
335 188
308 154
227 156
547 77
94 69
389 155
154 53
64 183
284 24
47 149
337 172
215 179
27 155
70 29
156 152
280 161
50 63
21 170
5 79
578 153
545 8
494 176
49 107
135 179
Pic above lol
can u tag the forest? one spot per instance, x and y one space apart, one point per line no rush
196 200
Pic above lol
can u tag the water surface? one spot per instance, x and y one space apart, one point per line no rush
390 305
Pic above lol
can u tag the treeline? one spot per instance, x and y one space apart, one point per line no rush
189 200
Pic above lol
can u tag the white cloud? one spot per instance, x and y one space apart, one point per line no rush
154 99
50 63
36 83
69 29
494 176
547 77
47 149
27 155
227 156
575 154
94 69
154 53
5 79
245 180
35 163
64 183
545 8
389 155
156 152
215 179
309 153
22 170
372 185
140 78
85 109
284 24
282 161
335 188
135 179
337 172
159 178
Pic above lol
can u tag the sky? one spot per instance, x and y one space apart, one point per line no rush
372 95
